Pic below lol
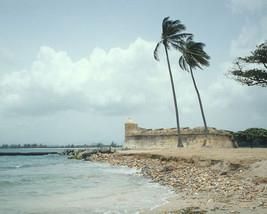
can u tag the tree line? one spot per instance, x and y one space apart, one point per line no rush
34 145
251 137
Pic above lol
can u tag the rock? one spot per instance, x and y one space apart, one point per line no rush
210 201
85 154
67 152
234 212
262 203
224 173
71 157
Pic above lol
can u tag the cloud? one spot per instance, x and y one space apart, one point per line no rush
245 42
254 31
239 6
128 82
251 35
263 27
115 82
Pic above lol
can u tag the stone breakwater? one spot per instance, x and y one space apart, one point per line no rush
85 154
221 189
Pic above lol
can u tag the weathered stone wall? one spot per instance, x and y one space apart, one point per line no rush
140 138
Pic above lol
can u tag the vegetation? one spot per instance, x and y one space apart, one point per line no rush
193 56
32 146
245 74
171 37
252 136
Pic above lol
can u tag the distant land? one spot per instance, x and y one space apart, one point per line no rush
33 146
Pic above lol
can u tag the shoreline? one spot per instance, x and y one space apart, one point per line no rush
210 180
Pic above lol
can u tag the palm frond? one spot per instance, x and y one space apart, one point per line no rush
175 45
171 30
165 23
188 39
178 37
156 51
202 60
191 61
176 22
193 53
183 64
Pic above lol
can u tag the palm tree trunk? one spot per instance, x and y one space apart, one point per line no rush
180 144
201 108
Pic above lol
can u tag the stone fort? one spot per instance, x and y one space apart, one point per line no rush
140 138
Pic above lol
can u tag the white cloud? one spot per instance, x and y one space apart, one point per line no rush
239 6
254 31
246 42
263 27
127 82
114 82
251 35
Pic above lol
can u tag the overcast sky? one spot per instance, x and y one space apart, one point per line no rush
73 71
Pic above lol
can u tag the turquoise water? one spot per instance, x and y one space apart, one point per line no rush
55 184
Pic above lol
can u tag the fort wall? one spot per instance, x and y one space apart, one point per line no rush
140 138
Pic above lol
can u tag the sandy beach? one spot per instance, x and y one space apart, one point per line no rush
202 180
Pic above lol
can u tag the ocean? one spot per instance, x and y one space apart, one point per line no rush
55 184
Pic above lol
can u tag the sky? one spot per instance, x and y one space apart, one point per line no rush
73 71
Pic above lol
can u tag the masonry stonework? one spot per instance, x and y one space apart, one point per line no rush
140 138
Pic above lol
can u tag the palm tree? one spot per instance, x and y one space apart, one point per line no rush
194 56
171 35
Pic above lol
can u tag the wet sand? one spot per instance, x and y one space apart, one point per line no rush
210 180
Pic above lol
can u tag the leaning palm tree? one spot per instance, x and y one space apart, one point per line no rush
194 56
171 35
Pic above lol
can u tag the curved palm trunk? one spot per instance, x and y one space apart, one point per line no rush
180 144
201 108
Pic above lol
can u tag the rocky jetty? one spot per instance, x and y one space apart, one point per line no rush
86 153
